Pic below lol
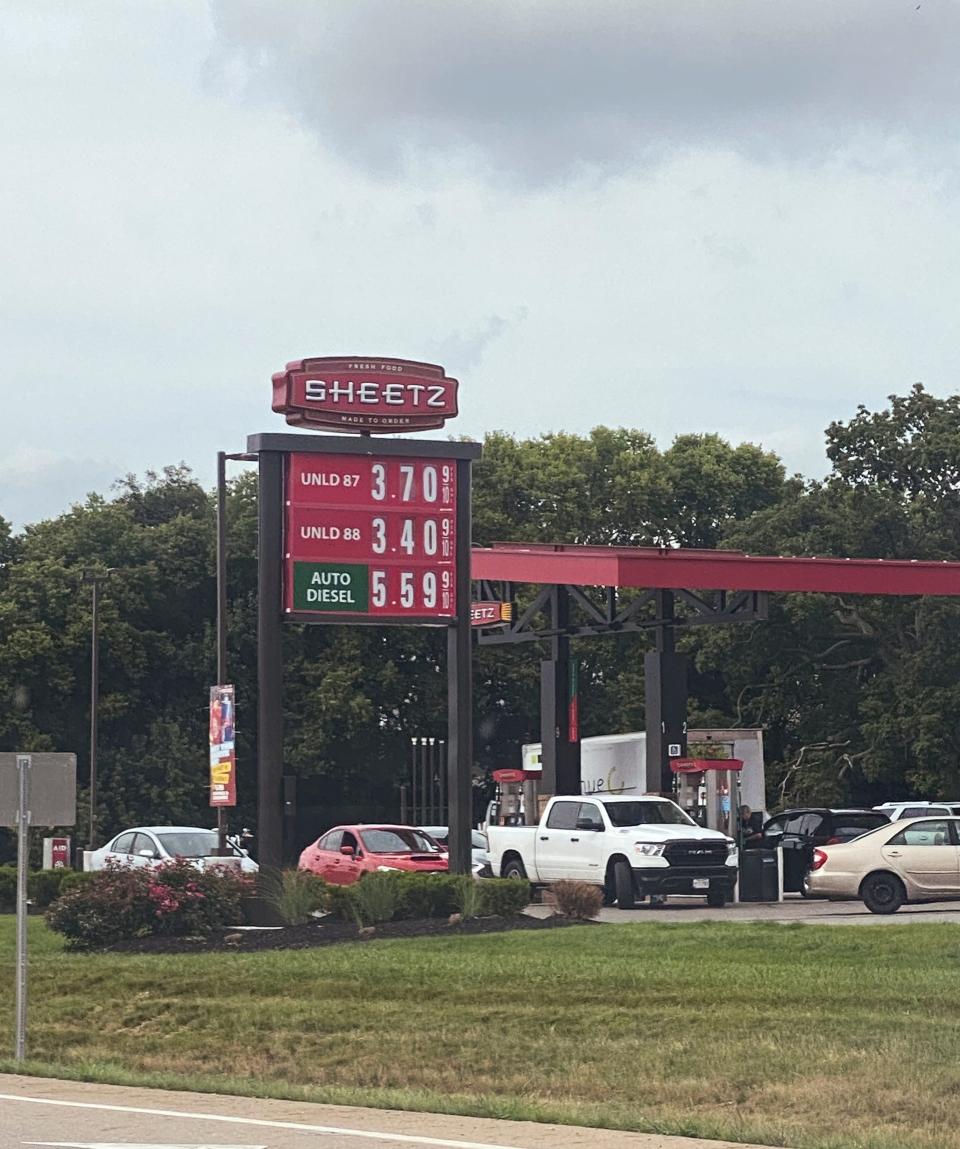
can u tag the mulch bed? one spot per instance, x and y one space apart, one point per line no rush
329 932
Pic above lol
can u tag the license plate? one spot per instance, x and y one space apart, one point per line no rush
701 883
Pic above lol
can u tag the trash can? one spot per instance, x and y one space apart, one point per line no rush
758 876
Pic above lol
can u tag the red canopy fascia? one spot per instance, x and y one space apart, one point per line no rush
710 570
701 765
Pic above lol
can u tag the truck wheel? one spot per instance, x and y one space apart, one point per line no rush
716 899
883 893
513 869
623 885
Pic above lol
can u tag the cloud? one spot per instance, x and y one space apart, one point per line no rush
197 196
544 88
37 482
464 351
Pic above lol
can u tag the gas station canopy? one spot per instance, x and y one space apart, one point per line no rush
709 587
680 568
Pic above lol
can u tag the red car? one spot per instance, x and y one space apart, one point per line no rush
346 853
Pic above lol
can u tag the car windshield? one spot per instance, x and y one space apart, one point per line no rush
189 843
397 841
846 827
646 814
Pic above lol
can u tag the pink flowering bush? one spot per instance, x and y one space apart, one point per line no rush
123 902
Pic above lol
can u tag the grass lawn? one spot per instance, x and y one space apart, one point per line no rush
807 1036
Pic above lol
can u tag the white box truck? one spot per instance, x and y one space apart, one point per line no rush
617 763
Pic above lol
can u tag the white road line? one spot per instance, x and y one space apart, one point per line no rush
131 1145
260 1123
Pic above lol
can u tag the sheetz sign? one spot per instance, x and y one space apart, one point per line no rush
367 536
376 396
364 531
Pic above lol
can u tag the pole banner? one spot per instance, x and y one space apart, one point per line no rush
573 715
223 753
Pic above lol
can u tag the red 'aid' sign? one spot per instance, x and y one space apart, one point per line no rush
368 536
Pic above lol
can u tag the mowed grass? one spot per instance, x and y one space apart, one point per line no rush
805 1036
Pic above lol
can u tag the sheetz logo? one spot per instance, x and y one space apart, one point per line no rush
365 395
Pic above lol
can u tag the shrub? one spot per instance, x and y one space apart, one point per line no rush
504 897
191 901
469 896
8 887
340 902
114 906
417 896
43 886
426 895
72 879
431 896
579 900
294 894
124 902
376 898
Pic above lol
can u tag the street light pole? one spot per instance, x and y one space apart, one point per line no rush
221 614
94 578
94 704
222 458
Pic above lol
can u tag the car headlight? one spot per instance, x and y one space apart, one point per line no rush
731 848
649 849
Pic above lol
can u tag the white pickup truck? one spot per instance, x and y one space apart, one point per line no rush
633 847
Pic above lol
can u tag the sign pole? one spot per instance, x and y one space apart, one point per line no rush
35 790
270 661
221 614
460 690
94 706
23 835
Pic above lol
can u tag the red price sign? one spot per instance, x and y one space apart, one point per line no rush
371 536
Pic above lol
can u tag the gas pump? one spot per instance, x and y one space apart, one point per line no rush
708 789
516 801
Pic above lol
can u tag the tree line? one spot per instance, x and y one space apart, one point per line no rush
858 695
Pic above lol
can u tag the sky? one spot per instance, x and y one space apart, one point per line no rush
689 216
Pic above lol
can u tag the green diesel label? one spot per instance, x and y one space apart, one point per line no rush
331 586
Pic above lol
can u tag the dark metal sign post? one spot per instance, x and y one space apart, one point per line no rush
460 684
328 555
23 856
35 790
222 456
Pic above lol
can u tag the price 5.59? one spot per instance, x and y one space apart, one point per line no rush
402 590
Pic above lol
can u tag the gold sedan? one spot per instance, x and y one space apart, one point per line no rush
916 860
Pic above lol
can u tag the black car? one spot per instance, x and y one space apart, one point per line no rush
799 831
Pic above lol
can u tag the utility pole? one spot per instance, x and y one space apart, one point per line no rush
94 578
222 458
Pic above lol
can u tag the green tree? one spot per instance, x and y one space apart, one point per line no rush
857 696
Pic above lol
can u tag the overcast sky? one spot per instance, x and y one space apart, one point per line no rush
683 215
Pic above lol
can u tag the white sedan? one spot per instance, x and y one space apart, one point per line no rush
480 853
153 845
913 860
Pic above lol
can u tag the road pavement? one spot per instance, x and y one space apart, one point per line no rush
76 1115
794 908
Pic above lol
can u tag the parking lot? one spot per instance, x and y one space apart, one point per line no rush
793 909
